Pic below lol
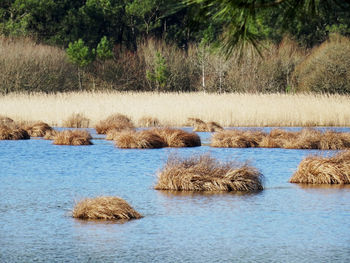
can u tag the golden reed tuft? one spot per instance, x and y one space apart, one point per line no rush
145 139
114 122
205 173
306 138
37 129
323 170
76 120
148 121
73 137
201 126
156 138
104 208
12 132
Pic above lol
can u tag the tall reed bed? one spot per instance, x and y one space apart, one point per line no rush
173 109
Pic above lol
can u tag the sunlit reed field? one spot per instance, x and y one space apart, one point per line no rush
173 109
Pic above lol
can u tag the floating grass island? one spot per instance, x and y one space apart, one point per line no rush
104 208
156 138
73 137
306 138
324 170
205 173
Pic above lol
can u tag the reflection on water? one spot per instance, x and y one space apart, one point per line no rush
40 182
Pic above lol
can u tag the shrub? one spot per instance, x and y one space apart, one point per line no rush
12 132
30 67
326 69
114 122
323 170
73 137
104 208
76 120
205 173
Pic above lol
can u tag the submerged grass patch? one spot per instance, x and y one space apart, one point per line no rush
104 208
306 138
324 170
205 173
73 137
117 122
156 138
13 132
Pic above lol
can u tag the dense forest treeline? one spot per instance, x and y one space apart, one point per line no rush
167 45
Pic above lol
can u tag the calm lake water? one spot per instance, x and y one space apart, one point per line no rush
40 182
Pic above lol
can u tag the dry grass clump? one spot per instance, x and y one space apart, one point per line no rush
237 138
5 120
12 132
178 138
156 138
323 170
114 122
72 137
145 139
104 208
201 126
148 121
76 120
205 173
50 134
37 129
306 138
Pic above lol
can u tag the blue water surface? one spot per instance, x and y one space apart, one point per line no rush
40 183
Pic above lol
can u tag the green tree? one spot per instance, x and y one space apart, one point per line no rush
104 49
243 20
81 56
160 72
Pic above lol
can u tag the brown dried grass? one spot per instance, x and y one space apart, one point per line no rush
156 138
148 121
114 122
177 137
37 129
13 132
5 120
73 137
205 173
76 120
324 170
145 139
201 126
50 134
306 138
104 208
237 138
